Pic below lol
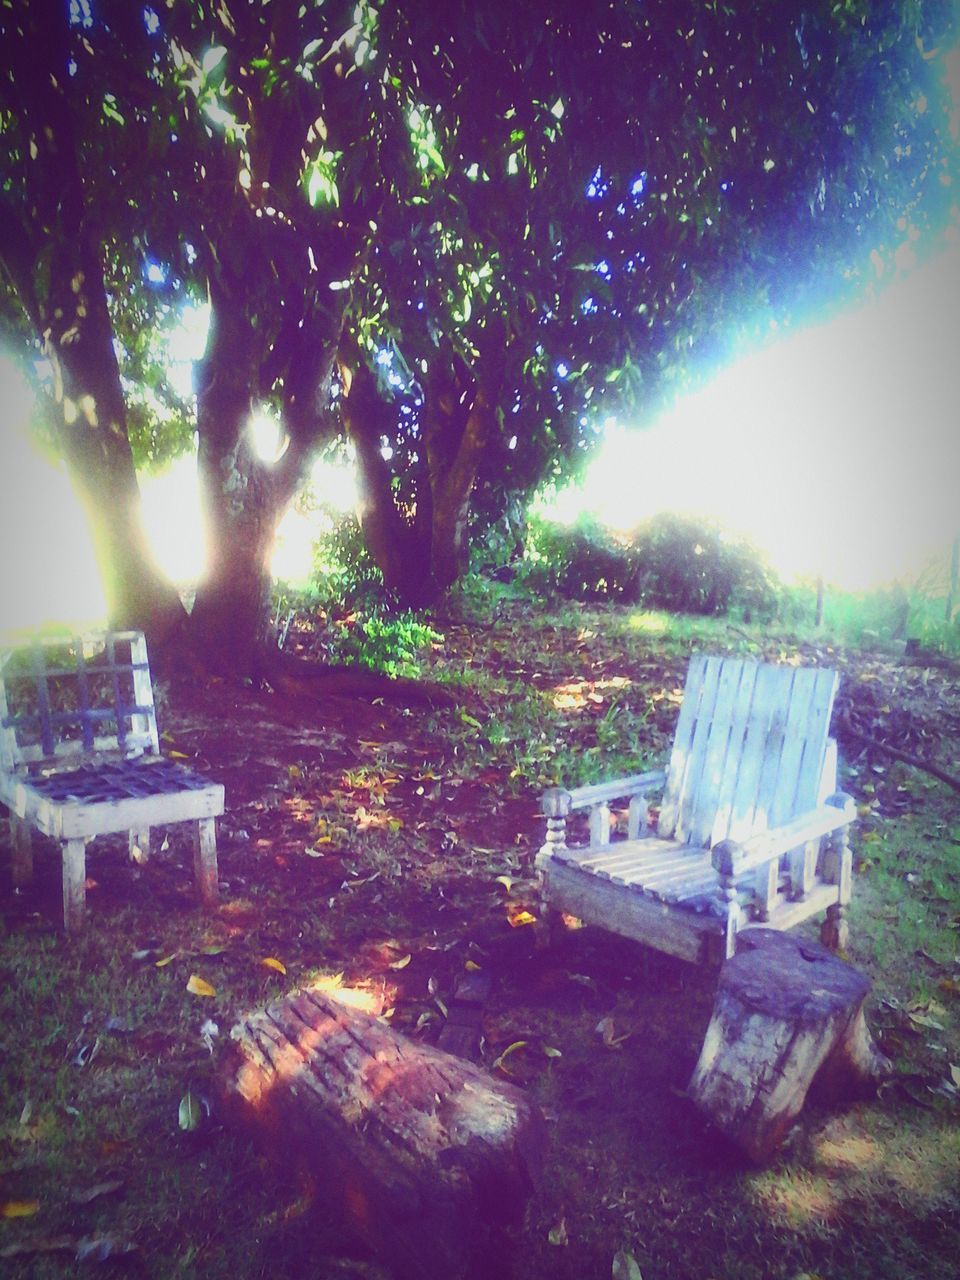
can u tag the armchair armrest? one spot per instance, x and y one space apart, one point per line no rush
734 859
559 803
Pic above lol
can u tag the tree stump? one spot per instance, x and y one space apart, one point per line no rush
788 1018
424 1157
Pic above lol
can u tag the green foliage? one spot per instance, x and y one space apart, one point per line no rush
886 616
692 567
394 643
345 575
670 562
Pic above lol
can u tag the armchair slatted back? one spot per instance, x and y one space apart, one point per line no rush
749 749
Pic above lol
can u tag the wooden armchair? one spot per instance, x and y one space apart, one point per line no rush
751 828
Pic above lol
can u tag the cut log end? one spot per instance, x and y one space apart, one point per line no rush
788 1019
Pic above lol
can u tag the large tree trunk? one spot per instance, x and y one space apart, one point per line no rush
90 421
421 547
245 496
52 257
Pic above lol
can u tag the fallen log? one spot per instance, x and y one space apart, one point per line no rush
787 1020
423 1157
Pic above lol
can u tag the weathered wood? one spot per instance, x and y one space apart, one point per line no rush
21 847
74 883
462 1030
205 861
53 711
788 1018
750 823
422 1156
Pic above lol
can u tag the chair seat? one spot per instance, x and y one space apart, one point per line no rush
663 869
98 799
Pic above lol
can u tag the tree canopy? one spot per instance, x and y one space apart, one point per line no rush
458 236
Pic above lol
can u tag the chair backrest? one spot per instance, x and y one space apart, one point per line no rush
749 749
66 700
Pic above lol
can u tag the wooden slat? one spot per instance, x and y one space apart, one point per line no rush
630 914
145 718
43 698
779 840
65 821
645 845
690 746
794 739
772 748
715 823
739 824
617 789
816 726
720 743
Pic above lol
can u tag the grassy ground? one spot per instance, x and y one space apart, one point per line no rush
359 836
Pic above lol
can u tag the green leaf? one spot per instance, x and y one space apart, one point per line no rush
190 1113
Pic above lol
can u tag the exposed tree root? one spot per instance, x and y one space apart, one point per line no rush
298 676
874 744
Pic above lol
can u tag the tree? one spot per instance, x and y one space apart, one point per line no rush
462 235
61 220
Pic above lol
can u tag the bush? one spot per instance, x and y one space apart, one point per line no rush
690 566
583 561
669 562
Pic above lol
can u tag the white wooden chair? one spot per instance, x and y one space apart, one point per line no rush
751 828
80 757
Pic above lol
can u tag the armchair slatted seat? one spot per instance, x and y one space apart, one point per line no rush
751 829
80 757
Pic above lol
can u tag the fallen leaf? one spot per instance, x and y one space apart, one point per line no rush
178 755
271 962
558 1234
197 986
190 1112
551 1052
605 1029
520 918
19 1208
955 1074
470 720
471 966
89 1194
506 881
924 1020
511 1048
625 1266
100 1248
402 962
44 1244
162 964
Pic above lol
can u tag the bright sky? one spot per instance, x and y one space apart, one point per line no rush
837 450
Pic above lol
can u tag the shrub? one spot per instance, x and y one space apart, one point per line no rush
583 561
669 562
691 566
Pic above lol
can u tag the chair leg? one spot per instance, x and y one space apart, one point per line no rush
139 844
21 846
205 861
74 883
835 930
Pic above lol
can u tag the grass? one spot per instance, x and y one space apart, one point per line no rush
408 828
